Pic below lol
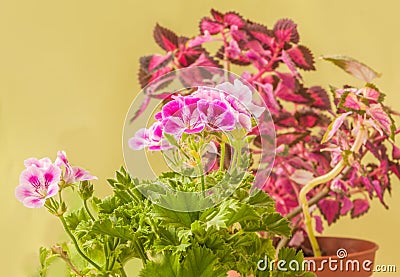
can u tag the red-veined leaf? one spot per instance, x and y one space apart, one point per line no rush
218 16
353 67
291 138
360 207
213 27
232 18
395 152
379 192
319 227
165 38
261 33
154 62
307 119
334 126
320 98
206 60
285 30
350 102
395 168
300 96
371 92
330 209
146 77
347 205
302 57
290 64
302 177
381 117
285 119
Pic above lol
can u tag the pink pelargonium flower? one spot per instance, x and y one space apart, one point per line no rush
182 115
216 115
72 174
151 138
37 184
239 99
42 163
243 94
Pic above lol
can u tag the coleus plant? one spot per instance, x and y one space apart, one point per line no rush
323 142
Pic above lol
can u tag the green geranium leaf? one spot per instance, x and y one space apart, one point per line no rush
199 261
167 267
106 227
175 218
293 264
76 217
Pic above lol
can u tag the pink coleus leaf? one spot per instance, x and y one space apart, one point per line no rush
347 205
285 30
350 102
395 152
380 117
291 138
395 168
307 119
285 119
330 209
302 57
319 227
320 98
360 207
211 26
199 40
290 64
145 77
165 38
379 192
353 67
261 33
338 186
371 92
154 62
233 18
334 126
218 16
302 177
297 239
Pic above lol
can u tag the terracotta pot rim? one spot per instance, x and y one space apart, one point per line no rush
374 248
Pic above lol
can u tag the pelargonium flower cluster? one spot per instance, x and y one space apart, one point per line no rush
41 179
220 109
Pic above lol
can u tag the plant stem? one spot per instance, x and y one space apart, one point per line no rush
314 200
106 252
222 157
57 249
139 249
66 228
87 210
321 180
203 186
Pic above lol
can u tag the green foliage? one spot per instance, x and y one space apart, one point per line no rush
291 264
46 257
207 242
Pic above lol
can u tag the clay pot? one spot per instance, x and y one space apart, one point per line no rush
348 257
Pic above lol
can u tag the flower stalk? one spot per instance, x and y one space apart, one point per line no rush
76 244
322 180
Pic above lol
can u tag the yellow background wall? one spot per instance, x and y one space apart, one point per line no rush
68 74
